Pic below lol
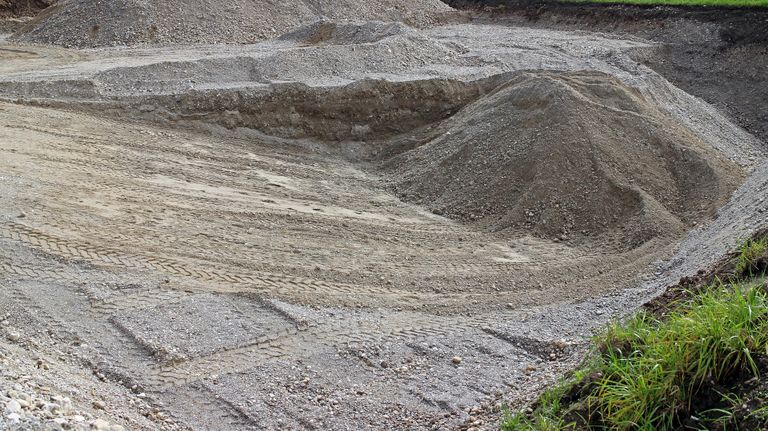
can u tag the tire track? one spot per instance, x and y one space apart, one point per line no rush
295 342
262 282
119 368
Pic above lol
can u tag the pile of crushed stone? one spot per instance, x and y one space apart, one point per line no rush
567 156
19 8
94 23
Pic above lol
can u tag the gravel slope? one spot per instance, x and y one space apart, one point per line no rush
90 23
570 156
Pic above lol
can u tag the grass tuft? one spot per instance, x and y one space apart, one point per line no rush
651 372
750 255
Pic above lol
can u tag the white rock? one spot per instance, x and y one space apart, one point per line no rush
100 425
12 406
14 336
52 408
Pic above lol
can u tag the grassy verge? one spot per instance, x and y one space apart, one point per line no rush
699 365
729 3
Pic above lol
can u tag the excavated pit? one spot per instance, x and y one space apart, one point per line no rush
564 156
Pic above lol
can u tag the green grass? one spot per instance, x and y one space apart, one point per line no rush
726 417
734 3
549 411
749 254
651 371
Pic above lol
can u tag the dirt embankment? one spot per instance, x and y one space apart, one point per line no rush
370 111
718 54
566 155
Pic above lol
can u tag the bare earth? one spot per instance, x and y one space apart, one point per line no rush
194 273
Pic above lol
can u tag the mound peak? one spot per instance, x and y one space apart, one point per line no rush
567 155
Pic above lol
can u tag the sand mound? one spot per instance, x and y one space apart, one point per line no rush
90 23
567 155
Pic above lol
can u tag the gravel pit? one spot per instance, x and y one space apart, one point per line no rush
211 231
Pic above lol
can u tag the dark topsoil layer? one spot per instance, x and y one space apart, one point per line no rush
718 54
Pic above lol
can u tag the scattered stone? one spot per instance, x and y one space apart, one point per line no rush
41 365
14 336
561 344
13 406
456 360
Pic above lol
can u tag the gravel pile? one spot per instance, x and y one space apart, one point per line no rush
93 23
568 156
18 8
